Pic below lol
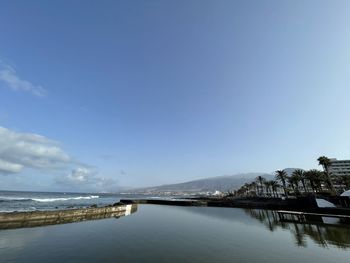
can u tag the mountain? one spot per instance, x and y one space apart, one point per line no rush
221 183
290 171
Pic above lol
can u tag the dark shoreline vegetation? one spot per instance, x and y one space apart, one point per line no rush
299 183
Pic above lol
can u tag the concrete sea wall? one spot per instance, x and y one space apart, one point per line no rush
41 218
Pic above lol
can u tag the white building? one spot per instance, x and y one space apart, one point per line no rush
339 167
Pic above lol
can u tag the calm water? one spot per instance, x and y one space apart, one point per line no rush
180 234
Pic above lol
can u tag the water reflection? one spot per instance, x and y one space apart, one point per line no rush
180 234
321 233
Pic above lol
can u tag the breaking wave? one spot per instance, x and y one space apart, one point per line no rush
11 199
64 199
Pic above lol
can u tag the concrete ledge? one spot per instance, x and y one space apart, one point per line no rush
40 218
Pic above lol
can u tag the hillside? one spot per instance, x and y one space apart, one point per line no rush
221 183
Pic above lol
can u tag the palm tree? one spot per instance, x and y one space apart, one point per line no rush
293 180
300 175
281 175
320 178
328 183
267 187
246 188
315 178
290 181
326 162
309 175
260 179
345 180
255 186
241 191
274 186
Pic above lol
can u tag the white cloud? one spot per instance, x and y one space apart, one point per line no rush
20 151
8 167
80 175
28 150
9 76
86 178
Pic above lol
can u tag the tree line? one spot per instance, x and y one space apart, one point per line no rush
300 181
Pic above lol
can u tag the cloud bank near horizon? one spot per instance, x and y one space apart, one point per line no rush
28 150
21 151
87 179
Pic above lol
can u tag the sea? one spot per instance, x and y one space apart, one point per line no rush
11 201
157 233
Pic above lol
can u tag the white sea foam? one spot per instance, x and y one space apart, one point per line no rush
65 198
9 198
30 209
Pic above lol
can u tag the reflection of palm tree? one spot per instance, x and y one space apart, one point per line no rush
314 232
320 233
269 221
337 236
299 236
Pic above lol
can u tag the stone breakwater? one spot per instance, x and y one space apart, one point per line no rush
41 218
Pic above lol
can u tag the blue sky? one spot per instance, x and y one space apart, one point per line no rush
139 93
